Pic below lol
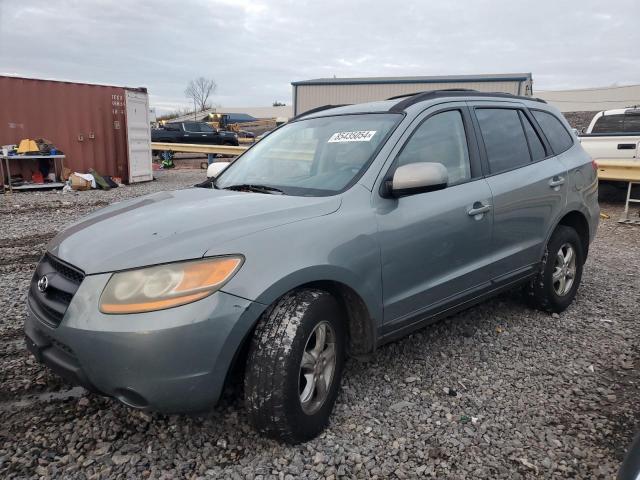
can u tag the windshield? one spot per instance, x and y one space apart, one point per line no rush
314 157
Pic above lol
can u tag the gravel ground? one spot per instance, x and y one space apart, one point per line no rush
498 391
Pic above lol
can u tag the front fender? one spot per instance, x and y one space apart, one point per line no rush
336 248
314 274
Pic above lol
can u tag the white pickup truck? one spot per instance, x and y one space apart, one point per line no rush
613 141
613 135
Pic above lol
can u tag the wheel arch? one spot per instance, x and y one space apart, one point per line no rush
578 221
361 324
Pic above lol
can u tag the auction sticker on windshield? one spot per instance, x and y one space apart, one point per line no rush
359 136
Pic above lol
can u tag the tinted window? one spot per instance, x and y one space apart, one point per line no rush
609 124
441 139
206 128
504 138
555 132
535 144
191 127
632 123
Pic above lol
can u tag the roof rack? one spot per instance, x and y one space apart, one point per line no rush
395 97
318 109
402 105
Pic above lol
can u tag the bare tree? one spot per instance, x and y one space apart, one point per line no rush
199 90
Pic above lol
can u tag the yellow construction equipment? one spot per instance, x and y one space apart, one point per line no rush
221 120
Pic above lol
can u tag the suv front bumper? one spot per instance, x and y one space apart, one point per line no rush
173 360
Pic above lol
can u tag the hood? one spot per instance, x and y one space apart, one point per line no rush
173 226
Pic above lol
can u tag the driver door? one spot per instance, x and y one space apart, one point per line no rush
435 246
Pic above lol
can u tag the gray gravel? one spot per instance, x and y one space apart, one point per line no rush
498 391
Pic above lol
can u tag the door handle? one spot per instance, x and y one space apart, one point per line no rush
478 209
626 146
556 182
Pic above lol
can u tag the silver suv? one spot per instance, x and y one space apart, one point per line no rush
340 231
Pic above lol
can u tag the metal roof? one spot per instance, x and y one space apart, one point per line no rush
499 77
70 82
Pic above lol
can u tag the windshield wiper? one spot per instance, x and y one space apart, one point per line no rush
254 188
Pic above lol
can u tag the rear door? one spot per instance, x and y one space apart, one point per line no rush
192 133
138 137
435 246
208 134
528 185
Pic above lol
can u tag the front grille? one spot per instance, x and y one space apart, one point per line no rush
63 282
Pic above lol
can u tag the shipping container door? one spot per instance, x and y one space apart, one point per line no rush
139 136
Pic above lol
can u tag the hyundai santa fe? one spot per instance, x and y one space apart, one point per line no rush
339 231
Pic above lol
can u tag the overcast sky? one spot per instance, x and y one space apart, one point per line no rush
254 49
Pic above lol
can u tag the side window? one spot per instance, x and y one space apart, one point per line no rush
555 132
608 124
535 144
206 128
441 139
191 127
632 123
504 138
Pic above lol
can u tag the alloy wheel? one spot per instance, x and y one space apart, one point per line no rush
564 270
317 367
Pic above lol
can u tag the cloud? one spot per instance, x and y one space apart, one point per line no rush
255 48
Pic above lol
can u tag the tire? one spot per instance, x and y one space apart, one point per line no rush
549 294
274 382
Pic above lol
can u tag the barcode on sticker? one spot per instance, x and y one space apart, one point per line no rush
359 136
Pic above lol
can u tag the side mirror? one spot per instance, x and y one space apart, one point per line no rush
215 168
418 177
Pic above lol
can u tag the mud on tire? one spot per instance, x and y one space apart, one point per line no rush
541 292
274 376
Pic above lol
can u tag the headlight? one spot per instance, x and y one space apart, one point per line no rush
166 286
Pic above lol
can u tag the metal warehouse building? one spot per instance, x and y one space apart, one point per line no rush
593 99
308 94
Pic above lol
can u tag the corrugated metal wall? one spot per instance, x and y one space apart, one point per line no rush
307 97
592 99
86 122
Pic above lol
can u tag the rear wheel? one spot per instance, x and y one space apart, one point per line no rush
556 285
295 366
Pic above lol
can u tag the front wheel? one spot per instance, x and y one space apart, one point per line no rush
295 366
555 287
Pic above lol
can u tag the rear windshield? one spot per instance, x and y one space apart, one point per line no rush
609 124
618 123
314 157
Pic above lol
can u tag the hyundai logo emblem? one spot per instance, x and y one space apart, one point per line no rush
43 284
